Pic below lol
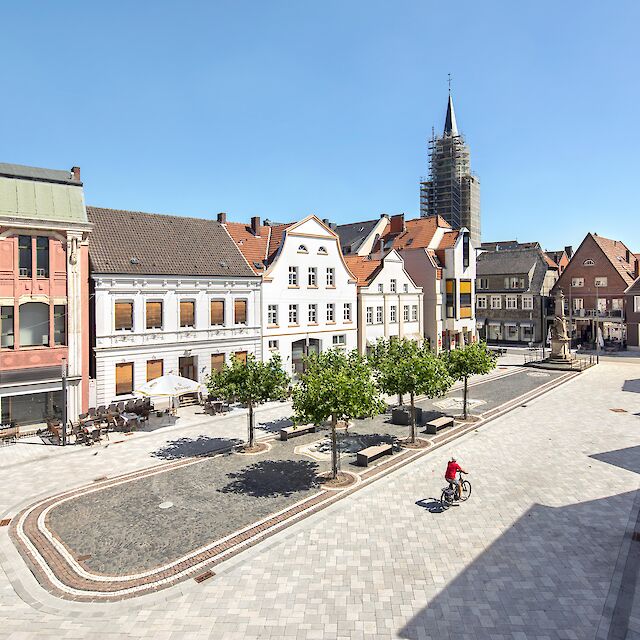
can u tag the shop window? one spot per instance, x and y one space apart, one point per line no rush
124 378
60 324
34 324
7 337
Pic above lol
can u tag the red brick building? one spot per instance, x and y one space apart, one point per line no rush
594 284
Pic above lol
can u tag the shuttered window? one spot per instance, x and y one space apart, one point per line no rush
154 315
217 361
155 369
124 315
217 312
124 378
241 355
465 298
240 312
187 313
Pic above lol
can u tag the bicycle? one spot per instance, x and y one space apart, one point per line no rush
448 496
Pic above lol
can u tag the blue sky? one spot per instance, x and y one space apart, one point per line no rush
281 109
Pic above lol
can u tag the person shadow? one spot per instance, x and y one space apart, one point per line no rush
432 505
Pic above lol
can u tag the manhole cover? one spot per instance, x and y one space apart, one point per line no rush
165 505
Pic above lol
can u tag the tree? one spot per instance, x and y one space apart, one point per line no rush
335 386
250 383
472 359
403 366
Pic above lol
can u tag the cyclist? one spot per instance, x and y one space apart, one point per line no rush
451 475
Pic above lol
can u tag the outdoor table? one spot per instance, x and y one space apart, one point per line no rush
130 418
92 432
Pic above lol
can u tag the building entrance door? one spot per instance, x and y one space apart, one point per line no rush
300 349
187 367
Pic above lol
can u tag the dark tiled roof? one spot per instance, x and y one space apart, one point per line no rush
352 235
36 173
134 242
635 287
506 262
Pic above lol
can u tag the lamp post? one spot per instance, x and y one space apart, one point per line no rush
597 324
64 401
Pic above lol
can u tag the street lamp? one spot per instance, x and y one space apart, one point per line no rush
597 324
64 401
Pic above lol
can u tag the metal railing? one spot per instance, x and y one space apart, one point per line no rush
580 362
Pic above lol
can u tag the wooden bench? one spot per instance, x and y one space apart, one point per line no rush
369 454
292 432
9 434
439 423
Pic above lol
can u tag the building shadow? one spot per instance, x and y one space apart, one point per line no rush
272 478
632 386
628 458
191 447
548 576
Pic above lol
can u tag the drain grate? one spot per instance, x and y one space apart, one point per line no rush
619 410
204 576
5 522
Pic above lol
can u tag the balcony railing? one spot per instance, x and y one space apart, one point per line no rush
597 313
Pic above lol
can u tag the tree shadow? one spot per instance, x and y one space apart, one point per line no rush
632 386
352 442
272 478
432 505
275 425
191 447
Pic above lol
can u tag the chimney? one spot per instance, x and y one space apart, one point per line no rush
222 217
628 256
75 173
569 251
397 224
636 271
325 221
255 225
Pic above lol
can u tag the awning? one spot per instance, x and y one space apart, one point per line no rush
510 324
526 323
494 323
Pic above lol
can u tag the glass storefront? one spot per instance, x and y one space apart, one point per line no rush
31 408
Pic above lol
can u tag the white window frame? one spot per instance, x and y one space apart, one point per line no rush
293 276
293 314
483 283
414 312
481 302
601 281
496 302
369 315
380 287
312 277
405 313
393 313
331 277
339 340
577 282
273 345
393 285
272 314
331 312
347 312
527 303
636 304
379 315
313 314
511 302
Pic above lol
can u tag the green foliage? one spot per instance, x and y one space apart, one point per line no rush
338 386
403 366
472 359
251 382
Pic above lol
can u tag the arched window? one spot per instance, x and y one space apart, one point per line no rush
588 262
302 249
322 251
34 324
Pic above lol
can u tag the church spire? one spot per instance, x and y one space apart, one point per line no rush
450 125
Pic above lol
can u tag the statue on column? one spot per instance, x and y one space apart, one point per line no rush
560 339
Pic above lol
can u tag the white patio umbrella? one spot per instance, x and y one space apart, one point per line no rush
169 386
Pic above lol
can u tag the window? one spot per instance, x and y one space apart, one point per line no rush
600 282
42 257
272 314
617 304
124 316
24 256
273 345
240 312
187 313
293 314
483 283
636 304
154 315
369 315
496 302
481 302
512 332
241 356
465 250
393 313
302 249
322 251
393 285
512 302
313 313
514 283
124 378
405 313
381 288
331 277
414 312
331 312
577 282
379 315
217 362
313 277
34 324
588 263
527 302
7 337
527 333
465 299
578 303
347 312
155 369
217 312
451 298
60 324
339 340
293 276
405 288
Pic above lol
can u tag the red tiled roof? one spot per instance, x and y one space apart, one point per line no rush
253 248
616 251
277 233
418 234
362 268
550 262
448 240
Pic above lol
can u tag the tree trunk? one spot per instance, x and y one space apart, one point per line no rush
399 399
334 448
464 401
251 425
413 417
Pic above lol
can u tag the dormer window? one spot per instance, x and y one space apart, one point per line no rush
302 249
322 251
588 263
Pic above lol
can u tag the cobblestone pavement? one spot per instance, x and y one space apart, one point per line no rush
535 553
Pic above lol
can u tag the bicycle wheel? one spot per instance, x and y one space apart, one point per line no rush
445 500
465 490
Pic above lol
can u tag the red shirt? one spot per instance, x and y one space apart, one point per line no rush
452 469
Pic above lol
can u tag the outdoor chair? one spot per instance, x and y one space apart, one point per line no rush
120 407
92 412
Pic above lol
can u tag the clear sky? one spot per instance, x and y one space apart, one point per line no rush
285 108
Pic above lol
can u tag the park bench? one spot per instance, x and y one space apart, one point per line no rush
439 423
369 454
8 434
292 432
